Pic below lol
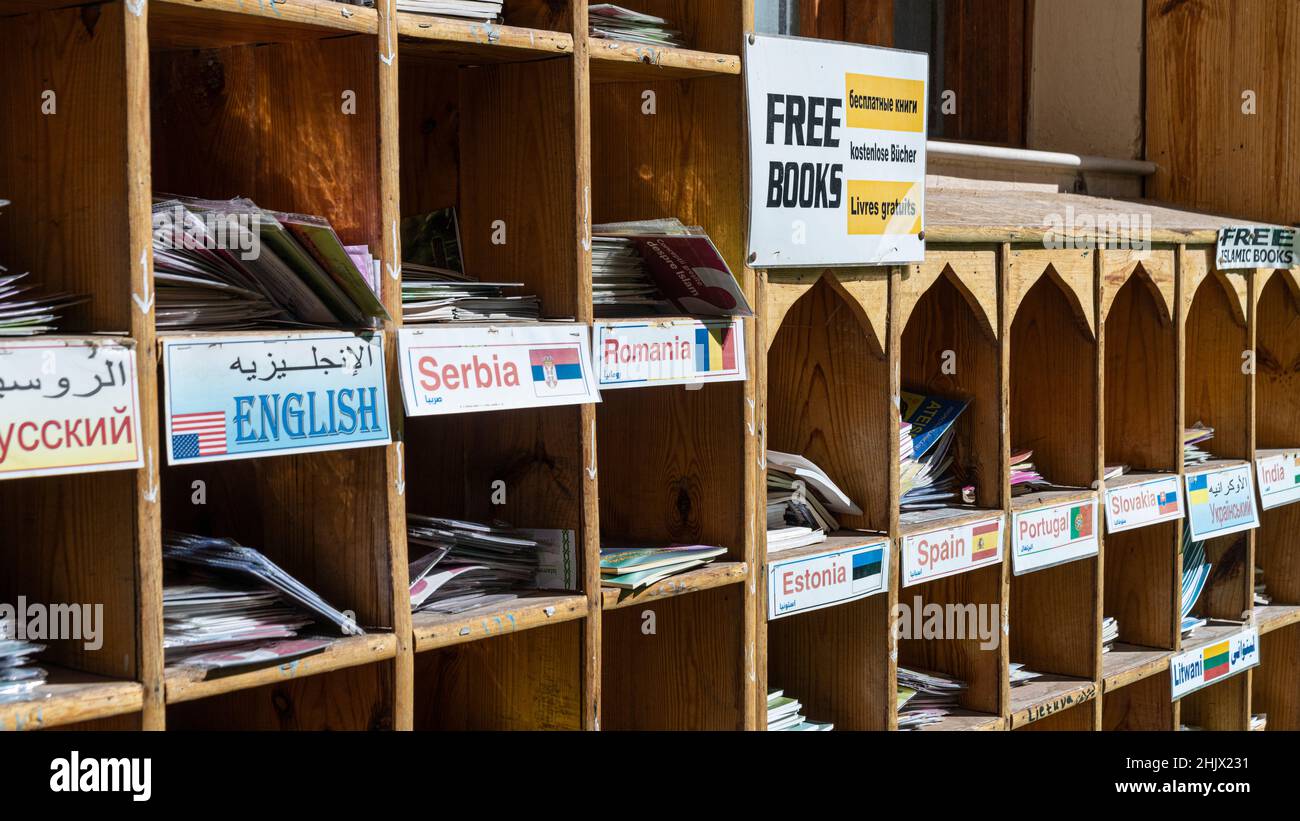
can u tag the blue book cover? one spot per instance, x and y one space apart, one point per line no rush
930 417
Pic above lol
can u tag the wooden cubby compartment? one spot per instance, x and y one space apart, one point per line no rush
1273 685
1140 705
1224 705
829 400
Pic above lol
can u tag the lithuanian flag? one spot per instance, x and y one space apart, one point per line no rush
1216 661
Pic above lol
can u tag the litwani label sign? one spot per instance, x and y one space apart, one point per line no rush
837 137
642 353
246 396
1255 246
952 550
797 585
68 406
1049 536
1220 502
1279 478
1139 504
459 369
1190 671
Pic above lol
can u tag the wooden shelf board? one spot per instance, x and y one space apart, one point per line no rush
71 696
1270 617
714 574
924 521
183 24
966 720
434 630
1048 498
466 42
1047 696
1211 633
1213 464
615 61
839 540
8 7
1127 663
1137 477
188 684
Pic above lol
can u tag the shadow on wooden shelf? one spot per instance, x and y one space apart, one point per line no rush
202 24
616 61
465 42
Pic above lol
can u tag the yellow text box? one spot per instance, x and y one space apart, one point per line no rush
884 207
884 103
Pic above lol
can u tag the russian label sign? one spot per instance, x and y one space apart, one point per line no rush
1190 671
644 353
1048 536
245 396
68 406
1279 478
1143 503
1255 246
455 369
837 153
952 550
804 583
1221 501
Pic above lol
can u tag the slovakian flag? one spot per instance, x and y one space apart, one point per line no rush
556 371
1080 522
1168 502
715 349
198 434
985 537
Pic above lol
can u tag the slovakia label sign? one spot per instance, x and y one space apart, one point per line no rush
68 406
1130 506
455 369
645 353
1279 478
245 396
805 583
952 550
1048 536
1190 671
1221 501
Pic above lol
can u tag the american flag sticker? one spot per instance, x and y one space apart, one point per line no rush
198 434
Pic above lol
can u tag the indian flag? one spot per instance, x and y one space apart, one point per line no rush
1215 660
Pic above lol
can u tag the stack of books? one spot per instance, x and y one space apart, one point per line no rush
1259 721
619 283
1109 633
633 568
801 501
783 713
19 679
25 310
617 23
1196 572
1192 437
468 9
1024 477
926 470
435 287
925 697
231 265
1021 675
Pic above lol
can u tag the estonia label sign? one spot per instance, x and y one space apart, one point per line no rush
804 583
953 550
67 406
241 397
458 369
837 153
1195 669
1139 504
644 353
1048 536
1221 501
1279 478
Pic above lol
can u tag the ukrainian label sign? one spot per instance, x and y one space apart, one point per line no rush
455 369
952 550
1048 536
1221 501
245 396
804 583
645 353
68 406
1190 671
1130 506
1279 478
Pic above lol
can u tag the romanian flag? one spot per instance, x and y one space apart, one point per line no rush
1198 489
1216 661
985 537
1168 502
1080 522
715 349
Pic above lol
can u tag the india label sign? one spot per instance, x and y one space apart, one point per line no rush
1221 501
797 585
68 406
1194 669
245 396
1279 477
644 353
1139 504
953 550
460 369
1048 536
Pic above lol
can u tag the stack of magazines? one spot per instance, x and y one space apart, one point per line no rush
1025 478
801 501
19 679
469 9
925 697
435 287
463 565
231 265
25 310
633 568
228 605
784 713
1020 674
1192 437
619 283
617 23
926 472
1196 572
1109 633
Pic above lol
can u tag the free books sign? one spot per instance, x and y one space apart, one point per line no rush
1048 536
803 583
1255 246
1195 669
460 369
642 353
837 153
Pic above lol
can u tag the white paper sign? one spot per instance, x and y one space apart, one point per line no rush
1139 504
1255 246
644 353
1279 478
837 152
68 406
455 369
1048 536
952 550
805 583
1197 668
1220 502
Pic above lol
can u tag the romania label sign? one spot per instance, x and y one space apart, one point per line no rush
1220 502
458 369
837 153
245 396
1190 671
804 583
644 353
68 406
1279 478
1048 536
952 550
1139 504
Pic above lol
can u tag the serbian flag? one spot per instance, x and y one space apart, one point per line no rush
715 349
985 537
556 371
